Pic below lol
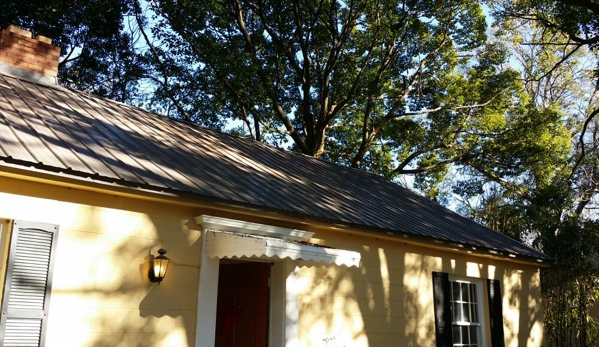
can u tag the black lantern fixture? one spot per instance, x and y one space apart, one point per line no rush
159 266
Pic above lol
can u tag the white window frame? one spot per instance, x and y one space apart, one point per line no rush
480 303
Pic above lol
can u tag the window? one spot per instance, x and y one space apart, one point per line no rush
465 313
459 305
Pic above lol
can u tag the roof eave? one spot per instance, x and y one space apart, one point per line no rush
14 168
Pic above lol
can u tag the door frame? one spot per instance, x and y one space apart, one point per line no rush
284 301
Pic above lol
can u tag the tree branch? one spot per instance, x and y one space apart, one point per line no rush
265 84
156 55
580 144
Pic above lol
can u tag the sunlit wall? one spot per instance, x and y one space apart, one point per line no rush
388 301
101 295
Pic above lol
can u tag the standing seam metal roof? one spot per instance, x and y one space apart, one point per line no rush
76 133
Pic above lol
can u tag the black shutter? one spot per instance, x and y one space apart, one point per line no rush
495 313
443 326
27 284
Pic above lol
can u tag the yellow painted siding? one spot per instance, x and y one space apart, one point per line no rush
101 295
388 300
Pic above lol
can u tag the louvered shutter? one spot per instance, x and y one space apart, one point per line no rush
443 326
495 313
28 284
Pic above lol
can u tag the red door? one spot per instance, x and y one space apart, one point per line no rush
242 307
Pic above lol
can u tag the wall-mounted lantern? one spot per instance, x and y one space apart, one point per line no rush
159 266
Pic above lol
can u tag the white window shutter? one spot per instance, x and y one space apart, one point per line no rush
28 284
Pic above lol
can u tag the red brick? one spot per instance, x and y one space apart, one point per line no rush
23 49
54 62
28 59
35 68
8 60
19 49
20 63
40 50
14 36
19 31
28 55
31 40
13 55
7 48
49 64
44 45
44 39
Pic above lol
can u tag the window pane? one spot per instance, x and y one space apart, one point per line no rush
455 289
466 312
474 336
455 312
473 292
457 337
465 336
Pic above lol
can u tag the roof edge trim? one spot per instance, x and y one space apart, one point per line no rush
43 174
238 226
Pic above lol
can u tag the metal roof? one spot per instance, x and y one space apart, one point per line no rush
60 130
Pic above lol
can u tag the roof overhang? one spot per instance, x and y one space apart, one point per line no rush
229 245
238 226
231 239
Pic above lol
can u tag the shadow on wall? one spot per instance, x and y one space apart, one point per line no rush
389 300
101 294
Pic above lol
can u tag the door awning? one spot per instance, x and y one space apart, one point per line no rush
223 244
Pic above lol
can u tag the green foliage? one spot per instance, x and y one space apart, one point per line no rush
571 287
389 87
556 160
395 88
98 54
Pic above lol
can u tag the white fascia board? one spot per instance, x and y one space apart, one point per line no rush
237 226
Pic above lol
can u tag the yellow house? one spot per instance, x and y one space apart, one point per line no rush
266 247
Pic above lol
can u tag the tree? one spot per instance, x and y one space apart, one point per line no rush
392 87
556 213
98 50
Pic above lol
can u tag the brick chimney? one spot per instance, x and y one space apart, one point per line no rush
26 57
